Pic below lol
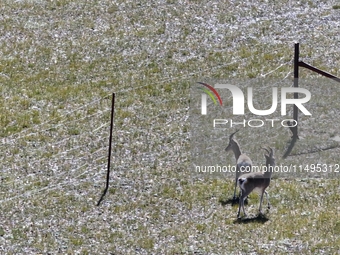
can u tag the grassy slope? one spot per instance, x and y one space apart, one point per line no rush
61 60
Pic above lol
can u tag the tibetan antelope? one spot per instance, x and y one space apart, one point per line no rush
256 181
243 162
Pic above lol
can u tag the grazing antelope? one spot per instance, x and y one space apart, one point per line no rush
256 181
243 162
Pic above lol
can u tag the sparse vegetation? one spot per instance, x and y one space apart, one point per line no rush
59 63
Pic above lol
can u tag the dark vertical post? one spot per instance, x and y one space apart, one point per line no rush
296 84
110 148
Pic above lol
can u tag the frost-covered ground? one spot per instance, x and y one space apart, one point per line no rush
59 63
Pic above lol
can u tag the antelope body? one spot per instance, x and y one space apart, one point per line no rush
256 181
243 162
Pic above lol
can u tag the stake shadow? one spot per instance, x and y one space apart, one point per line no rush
290 147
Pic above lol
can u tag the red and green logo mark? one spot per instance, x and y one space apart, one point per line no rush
209 90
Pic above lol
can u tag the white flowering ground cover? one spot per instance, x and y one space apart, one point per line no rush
60 61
